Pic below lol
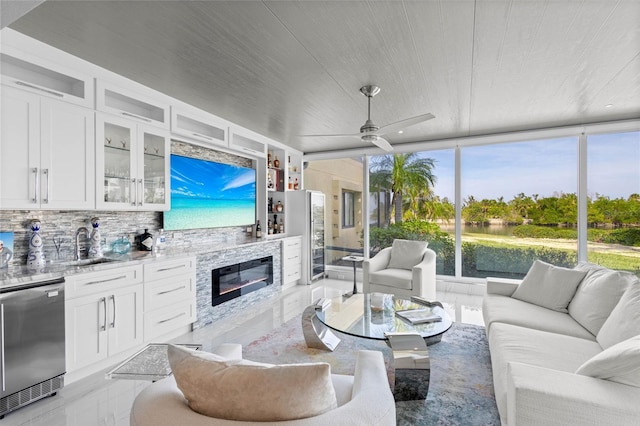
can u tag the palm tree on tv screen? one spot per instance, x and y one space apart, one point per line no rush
408 177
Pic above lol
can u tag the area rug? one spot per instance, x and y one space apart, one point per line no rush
461 385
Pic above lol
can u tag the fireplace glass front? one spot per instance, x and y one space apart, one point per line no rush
236 280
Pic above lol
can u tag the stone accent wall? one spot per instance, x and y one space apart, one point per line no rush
230 256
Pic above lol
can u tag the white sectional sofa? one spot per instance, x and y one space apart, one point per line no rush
565 348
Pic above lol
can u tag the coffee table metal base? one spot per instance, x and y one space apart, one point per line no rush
412 366
316 334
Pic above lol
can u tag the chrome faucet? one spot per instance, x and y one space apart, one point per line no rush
77 248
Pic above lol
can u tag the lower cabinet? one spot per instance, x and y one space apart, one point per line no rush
105 322
291 260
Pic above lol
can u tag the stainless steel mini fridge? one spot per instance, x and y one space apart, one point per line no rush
308 221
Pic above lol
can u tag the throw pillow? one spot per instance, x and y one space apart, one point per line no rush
597 295
619 363
235 389
549 286
624 321
405 254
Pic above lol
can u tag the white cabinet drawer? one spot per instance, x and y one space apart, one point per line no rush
291 273
169 268
160 293
166 320
96 282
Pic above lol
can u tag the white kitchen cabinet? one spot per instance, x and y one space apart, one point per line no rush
127 103
36 75
291 260
132 165
103 315
192 124
46 153
247 142
169 296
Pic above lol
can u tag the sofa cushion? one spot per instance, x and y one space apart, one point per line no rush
248 391
549 286
619 363
624 321
597 295
511 343
504 309
405 254
398 278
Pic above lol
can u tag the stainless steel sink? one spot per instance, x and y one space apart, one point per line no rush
88 262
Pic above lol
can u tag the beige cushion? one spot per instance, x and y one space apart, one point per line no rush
249 391
619 363
597 295
549 286
405 254
624 321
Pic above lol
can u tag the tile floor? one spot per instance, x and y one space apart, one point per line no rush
98 401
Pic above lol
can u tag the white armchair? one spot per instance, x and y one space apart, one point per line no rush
407 268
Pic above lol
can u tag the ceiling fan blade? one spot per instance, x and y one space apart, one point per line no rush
357 135
403 124
382 143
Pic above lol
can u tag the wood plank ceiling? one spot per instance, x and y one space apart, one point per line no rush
285 68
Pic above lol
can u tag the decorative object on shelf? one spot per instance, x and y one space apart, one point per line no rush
296 185
6 248
35 255
145 241
279 207
121 245
269 163
276 163
95 250
270 184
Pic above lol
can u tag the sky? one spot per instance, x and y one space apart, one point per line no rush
540 167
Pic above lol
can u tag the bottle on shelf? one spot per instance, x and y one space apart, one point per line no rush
269 163
275 223
276 163
296 185
281 227
270 205
258 229
269 227
290 183
279 207
289 164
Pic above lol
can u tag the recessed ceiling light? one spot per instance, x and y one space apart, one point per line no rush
608 105
400 131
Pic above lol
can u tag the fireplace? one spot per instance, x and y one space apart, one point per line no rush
236 280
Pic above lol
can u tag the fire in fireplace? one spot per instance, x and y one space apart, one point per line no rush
236 280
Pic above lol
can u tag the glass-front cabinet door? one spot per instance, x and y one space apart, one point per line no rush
132 162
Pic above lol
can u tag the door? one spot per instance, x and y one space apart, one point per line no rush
125 318
153 169
19 150
67 178
86 330
317 234
115 163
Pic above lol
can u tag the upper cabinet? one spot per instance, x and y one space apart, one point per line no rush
246 141
195 125
44 78
46 153
132 165
129 104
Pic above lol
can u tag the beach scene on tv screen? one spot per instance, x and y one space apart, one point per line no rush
206 194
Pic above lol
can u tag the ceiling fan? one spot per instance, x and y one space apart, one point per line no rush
369 132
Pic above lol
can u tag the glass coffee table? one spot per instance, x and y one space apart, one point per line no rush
373 316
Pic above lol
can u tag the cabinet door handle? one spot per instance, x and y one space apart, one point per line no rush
140 195
4 387
171 268
103 300
128 114
35 184
107 280
181 314
132 188
45 199
31 86
202 136
113 322
171 291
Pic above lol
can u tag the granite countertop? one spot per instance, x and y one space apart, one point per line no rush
17 275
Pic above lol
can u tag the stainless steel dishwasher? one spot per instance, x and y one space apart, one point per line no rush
32 343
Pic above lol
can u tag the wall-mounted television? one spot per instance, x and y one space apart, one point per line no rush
207 194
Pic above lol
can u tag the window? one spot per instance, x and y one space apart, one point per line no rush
348 212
